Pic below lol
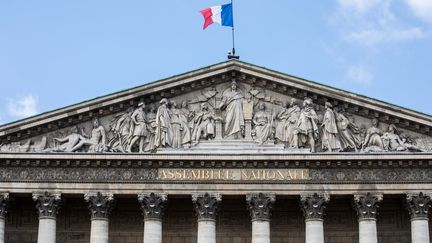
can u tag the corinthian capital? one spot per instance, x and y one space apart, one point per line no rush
100 204
367 205
418 205
47 204
152 205
206 205
260 205
4 204
313 205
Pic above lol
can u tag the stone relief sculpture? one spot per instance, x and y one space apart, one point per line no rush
330 133
306 130
263 124
286 126
255 118
232 103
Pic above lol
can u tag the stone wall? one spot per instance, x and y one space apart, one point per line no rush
233 223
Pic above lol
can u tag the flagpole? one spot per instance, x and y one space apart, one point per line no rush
232 55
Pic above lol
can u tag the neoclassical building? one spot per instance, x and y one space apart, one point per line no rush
230 153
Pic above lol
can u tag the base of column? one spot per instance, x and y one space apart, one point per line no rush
99 231
420 230
47 230
260 231
314 231
206 231
152 231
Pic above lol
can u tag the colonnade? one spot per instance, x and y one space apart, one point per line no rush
206 208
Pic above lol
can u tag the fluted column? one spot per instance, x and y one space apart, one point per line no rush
313 206
367 211
418 207
4 203
100 206
152 206
48 205
260 206
205 208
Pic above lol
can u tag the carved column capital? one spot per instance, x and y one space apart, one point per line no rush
100 204
4 204
206 205
260 205
367 205
47 204
313 205
152 205
419 205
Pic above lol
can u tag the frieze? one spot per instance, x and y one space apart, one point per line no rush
131 175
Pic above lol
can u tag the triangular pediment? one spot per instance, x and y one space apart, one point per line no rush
266 111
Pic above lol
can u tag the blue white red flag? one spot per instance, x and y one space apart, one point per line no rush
222 14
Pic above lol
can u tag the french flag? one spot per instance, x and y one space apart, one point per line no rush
222 14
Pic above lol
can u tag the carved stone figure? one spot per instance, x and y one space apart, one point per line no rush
348 132
288 118
330 134
204 124
306 130
232 103
138 128
393 142
47 204
373 141
260 205
97 141
186 119
68 143
176 126
367 205
151 127
163 125
263 124
121 129
152 205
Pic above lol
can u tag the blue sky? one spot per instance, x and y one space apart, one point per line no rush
57 53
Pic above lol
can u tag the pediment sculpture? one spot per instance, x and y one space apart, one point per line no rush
227 113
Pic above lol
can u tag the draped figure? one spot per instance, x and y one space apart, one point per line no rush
330 134
263 122
163 134
232 103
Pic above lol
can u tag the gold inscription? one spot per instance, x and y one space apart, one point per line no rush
233 174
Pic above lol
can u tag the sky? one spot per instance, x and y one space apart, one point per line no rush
58 53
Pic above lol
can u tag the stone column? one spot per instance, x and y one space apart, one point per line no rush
205 208
367 207
152 206
418 207
313 206
4 203
100 206
48 205
260 206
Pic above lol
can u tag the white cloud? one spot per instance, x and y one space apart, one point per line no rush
23 106
422 9
359 74
372 22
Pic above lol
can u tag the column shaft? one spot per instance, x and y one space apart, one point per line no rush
99 231
2 229
314 231
420 230
260 232
47 230
367 231
206 231
152 231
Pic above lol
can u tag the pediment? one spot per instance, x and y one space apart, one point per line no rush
201 112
